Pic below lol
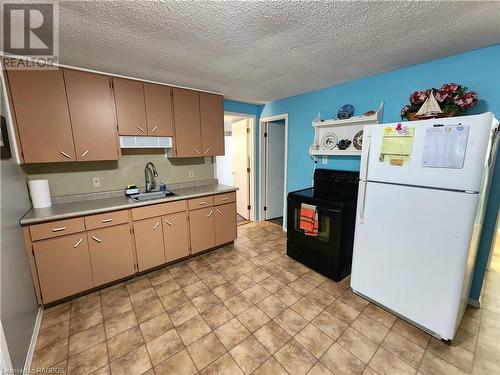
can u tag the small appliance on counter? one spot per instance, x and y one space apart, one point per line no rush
321 219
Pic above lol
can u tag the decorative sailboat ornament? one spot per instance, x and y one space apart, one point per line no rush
430 108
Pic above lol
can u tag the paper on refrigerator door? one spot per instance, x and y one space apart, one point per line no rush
397 144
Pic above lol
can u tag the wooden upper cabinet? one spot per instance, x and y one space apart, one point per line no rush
41 109
92 112
212 124
130 109
158 99
187 138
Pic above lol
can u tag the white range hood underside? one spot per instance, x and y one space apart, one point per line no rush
127 141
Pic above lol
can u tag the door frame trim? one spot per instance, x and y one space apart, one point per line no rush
253 183
262 187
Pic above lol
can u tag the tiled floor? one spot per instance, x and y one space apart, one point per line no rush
248 309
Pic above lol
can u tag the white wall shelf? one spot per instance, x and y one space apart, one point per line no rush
338 129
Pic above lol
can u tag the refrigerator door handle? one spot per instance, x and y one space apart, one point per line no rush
365 152
361 203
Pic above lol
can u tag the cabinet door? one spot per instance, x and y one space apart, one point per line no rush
130 109
158 99
201 225
111 253
149 243
92 113
212 124
41 109
225 223
187 137
176 236
63 266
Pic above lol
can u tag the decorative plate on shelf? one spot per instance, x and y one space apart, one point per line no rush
328 141
357 141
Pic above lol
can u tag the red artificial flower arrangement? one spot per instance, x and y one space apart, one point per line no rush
452 98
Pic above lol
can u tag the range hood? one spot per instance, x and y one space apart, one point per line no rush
130 141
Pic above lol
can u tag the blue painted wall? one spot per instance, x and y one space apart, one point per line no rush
479 70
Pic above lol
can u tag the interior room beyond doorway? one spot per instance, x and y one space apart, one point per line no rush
236 166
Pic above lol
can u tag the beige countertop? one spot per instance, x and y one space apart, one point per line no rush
90 207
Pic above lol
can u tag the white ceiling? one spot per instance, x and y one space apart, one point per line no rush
260 51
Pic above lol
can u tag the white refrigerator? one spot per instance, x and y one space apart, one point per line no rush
419 216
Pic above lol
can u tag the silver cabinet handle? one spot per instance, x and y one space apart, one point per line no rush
219 211
225 199
152 130
96 239
58 229
196 150
64 154
208 149
85 153
201 203
210 213
141 129
156 225
107 220
169 223
77 243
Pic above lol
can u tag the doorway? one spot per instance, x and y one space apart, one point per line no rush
236 166
273 170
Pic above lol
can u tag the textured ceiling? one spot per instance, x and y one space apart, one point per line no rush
261 51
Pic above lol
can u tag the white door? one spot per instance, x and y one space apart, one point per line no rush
275 169
240 165
224 163
411 252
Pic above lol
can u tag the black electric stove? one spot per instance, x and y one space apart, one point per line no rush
330 252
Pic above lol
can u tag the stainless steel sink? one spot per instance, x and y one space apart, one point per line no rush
140 197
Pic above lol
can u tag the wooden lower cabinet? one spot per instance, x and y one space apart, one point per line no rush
111 253
225 223
201 224
63 266
148 235
176 235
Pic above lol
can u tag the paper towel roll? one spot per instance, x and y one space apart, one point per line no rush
40 193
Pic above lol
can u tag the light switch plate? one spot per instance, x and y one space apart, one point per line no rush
191 173
96 182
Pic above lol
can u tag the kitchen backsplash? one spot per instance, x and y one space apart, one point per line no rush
76 178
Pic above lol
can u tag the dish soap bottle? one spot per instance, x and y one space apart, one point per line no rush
163 186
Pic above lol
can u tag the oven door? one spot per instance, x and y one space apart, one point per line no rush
327 241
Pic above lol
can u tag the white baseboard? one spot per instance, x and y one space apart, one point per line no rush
34 336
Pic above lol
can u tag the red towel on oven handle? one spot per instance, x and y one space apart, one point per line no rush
309 219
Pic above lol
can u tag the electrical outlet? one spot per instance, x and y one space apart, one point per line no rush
96 182
191 173
208 159
325 160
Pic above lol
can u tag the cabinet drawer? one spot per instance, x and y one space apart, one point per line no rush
201 202
224 198
106 220
56 228
158 210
